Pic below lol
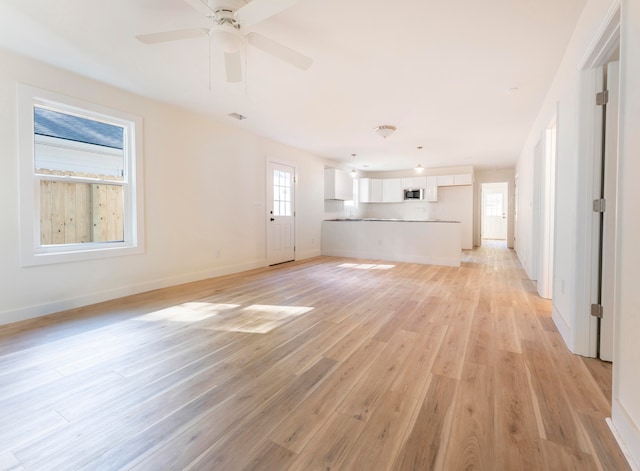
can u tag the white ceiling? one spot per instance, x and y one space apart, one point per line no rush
438 70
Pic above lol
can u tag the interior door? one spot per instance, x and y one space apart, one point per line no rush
494 211
609 181
281 213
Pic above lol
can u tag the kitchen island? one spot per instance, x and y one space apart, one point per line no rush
430 242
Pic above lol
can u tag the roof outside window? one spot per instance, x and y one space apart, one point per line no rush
74 128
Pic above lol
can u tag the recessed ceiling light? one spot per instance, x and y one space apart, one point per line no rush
512 90
237 116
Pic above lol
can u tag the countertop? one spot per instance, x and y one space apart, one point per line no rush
389 220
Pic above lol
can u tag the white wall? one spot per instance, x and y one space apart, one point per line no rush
204 193
626 363
571 224
562 98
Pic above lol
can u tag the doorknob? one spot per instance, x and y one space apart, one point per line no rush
272 219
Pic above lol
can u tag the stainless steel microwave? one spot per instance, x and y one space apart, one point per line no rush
414 194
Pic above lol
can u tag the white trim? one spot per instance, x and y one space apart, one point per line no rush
605 41
31 251
39 310
625 432
308 254
561 324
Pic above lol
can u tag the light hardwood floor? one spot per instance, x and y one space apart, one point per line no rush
322 364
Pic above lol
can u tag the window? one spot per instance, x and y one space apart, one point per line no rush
282 193
80 168
353 203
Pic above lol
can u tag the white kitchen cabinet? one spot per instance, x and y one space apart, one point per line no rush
431 193
370 190
338 185
464 179
414 183
455 180
392 190
428 242
445 180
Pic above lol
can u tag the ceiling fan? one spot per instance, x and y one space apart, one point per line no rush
229 17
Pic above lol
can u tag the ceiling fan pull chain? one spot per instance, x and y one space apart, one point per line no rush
209 42
246 69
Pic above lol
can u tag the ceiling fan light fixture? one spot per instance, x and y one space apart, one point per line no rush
227 38
384 130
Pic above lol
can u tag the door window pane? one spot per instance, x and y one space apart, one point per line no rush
281 193
493 205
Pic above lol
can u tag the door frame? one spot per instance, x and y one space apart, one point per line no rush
608 231
544 206
493 176
268 182
583 337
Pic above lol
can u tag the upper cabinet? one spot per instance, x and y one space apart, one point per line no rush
431 192
338 185
414 183
445 180
464 179
370 190
455 180
392 190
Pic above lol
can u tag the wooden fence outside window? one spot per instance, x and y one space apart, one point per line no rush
80 212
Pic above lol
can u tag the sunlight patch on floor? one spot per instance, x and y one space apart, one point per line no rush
188 312
366 266
257 318
260 318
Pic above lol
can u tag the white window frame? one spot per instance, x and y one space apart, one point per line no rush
32 252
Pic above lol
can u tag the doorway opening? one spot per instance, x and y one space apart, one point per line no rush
494 213
544 181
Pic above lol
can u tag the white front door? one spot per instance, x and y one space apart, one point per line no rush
281 213
494 211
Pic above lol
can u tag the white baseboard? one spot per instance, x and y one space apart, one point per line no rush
308 254
563 328
626 433
30 312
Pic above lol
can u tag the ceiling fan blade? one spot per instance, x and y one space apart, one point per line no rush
166 36
280 51
202 7
233 65
258 10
